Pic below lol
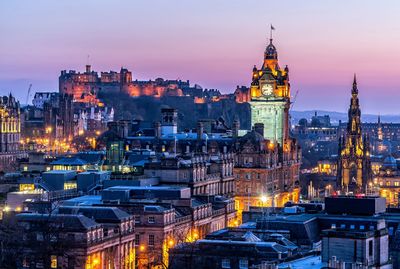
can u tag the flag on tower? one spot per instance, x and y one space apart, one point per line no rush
272 27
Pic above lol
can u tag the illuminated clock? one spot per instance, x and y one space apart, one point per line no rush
267 89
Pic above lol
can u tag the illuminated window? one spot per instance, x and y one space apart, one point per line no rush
53 260
69 185
396 183
26 187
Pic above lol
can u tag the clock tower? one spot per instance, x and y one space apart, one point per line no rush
270 97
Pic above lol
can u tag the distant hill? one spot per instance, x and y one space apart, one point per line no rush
337 116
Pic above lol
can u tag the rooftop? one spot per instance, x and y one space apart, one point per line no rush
310 262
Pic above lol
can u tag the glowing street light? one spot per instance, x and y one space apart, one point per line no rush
263 199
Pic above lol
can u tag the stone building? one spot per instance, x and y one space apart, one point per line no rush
354 163
265 173
77 238
165 216
10 132
269 97
86 86
267 158
204 174
356 247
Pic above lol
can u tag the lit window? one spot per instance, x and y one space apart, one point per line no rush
226 263
53 260
333 226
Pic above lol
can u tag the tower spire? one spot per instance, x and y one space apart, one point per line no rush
354 90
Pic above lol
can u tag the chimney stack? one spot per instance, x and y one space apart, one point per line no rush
235 128
200 130
157 129
259 128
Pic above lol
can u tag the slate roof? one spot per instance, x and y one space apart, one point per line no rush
98 213
69 161
69 222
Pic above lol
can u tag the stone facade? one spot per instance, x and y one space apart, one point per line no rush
87 85
76 241
354 163
265 173
10 132
356 247
269 97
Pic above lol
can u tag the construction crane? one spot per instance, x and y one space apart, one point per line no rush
294 100
29 93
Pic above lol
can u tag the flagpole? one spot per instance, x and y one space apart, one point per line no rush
270 32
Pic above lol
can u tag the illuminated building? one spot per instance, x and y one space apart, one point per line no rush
10 132
166 216
270 97
263 169
268 159
86 86
387 181
354 163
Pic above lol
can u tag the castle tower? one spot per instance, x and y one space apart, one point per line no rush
270 97
354 164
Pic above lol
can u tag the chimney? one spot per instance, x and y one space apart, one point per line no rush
259 128
200 130
157 129
235 128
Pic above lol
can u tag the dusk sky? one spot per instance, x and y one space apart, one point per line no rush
212 43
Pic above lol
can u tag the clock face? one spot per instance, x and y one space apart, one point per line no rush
267 89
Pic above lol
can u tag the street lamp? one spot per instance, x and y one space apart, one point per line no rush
263 199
